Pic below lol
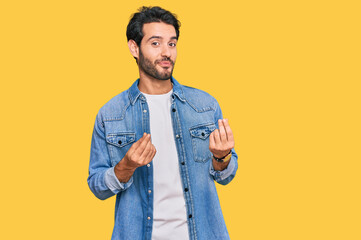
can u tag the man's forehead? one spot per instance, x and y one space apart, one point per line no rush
161 29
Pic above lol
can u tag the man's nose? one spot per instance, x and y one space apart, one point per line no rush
165 51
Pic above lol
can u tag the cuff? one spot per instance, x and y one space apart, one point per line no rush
113 183
225 173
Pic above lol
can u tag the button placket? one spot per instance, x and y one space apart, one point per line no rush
146 128
183 167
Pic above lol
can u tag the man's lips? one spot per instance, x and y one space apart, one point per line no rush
165 63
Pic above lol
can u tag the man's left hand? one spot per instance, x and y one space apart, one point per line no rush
221 140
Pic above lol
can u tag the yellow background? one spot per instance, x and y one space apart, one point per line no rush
286 74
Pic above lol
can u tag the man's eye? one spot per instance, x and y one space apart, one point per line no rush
172 44
155 43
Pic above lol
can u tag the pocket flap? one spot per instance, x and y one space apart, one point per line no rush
120 139
202 131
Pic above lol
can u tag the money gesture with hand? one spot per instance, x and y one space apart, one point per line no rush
221 140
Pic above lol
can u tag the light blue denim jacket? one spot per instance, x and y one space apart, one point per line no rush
120 123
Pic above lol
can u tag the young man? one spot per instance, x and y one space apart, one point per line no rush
159 146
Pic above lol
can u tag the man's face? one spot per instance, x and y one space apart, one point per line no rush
158 51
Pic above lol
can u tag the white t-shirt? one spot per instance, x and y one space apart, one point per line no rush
169 215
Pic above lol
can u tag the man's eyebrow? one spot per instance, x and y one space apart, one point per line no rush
154 37
159 37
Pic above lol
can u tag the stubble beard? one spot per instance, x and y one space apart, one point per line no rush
150 69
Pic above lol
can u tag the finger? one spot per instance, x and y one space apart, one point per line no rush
228 131
211 141
140 140
150 155
145 151
139 150
135 145
217 139
222 132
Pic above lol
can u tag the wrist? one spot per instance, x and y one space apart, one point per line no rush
125 165
219 166
123 172
225 158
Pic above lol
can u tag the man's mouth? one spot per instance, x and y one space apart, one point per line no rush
165 63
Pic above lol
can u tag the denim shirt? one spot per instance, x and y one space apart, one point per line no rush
121 122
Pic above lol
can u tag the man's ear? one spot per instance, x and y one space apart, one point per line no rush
133 48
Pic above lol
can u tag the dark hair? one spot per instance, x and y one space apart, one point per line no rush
149 15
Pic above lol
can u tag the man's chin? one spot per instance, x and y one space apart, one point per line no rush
165 75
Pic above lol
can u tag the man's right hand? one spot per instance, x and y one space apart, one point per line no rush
139 154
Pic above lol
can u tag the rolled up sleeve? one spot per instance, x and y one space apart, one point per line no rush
226 175
113 183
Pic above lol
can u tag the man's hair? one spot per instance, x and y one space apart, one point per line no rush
149 15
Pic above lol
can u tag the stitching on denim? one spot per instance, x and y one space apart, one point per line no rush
206 109
201 125
187 176
115 134
122 115
132 101
194 145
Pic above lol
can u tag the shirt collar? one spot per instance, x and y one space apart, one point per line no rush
134 92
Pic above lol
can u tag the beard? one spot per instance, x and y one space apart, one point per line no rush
150 68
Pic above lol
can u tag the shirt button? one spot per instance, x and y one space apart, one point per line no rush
120 142
174 110
148 218
149 191
177 136
182 163
186 189
190 216
148 165
145 110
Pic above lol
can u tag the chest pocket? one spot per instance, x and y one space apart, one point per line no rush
119 144
200 141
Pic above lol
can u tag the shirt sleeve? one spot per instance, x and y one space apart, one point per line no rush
226 175
102 180
113 183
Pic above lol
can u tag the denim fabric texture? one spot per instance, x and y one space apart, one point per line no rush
120 123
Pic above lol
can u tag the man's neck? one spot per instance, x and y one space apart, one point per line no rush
154 86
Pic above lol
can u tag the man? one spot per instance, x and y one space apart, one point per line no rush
159 146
